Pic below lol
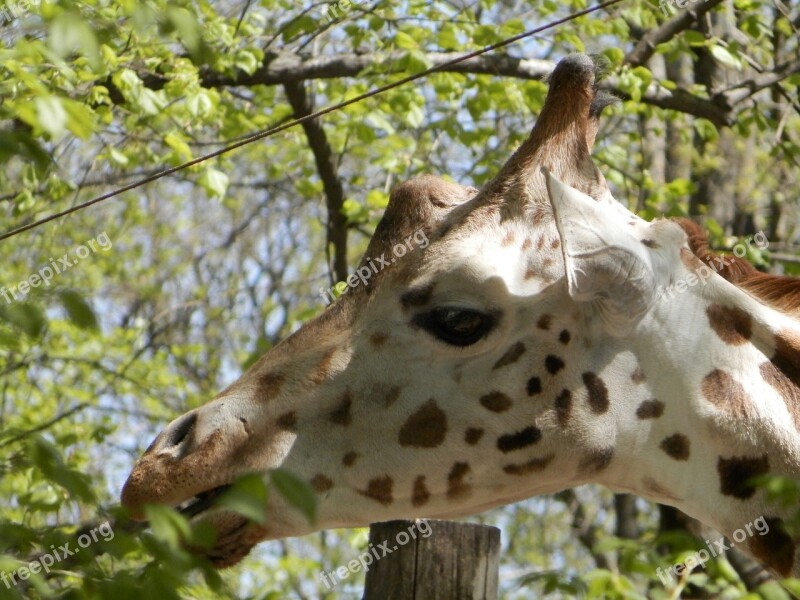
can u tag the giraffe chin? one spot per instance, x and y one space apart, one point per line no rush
236 536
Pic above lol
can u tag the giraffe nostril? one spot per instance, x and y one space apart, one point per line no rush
177 433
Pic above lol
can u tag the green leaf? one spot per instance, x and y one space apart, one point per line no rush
614 55
354 211
184 23
303 24
405 41
117 157
78 310
246 496
201 104
25 316
51 115
246 61
793 585
297 492
772 590
725 57
448 37
68 33
167 524
694 38
176 141
214 182
48 459
81 119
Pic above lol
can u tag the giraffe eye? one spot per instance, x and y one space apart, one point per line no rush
456 326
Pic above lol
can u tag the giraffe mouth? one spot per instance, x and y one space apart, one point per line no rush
201 502
229 547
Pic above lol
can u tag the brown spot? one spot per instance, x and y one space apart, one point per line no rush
787 355
269 385
426 428
321 483
456 486
417 297
518 440
378 339
598 393
508 239
323 369
724 392
563 406
784 386
555 243
650 409
540 243
420 495
288 421
379 489
341 414
534 465
638 376
676 446
391 396
553 364
473 435
564 337
527 243
511 356
732 325
735 472
534 386
783 372
652 486
596 460
529 273
544 322
774 548
650 244
496 402
349 458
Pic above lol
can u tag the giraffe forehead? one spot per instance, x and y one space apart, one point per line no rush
514 253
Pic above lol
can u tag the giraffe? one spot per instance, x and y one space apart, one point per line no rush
545 338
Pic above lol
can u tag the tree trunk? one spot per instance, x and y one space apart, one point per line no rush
454 561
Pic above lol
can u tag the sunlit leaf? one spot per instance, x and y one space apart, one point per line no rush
296 491
78 310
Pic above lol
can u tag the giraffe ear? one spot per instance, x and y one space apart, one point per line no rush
605 265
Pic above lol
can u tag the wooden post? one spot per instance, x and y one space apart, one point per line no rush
433 560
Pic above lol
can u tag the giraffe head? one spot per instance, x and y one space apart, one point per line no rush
457 378
415 394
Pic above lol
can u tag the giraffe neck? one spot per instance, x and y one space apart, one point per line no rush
714 375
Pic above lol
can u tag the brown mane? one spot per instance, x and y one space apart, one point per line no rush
779 291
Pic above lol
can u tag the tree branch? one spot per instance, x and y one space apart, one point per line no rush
290 67
286 68
646 46
746 89
328 173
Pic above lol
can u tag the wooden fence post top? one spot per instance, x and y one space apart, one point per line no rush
432 560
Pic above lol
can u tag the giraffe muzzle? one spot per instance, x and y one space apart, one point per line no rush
187 466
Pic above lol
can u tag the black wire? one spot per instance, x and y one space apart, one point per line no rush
324 111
